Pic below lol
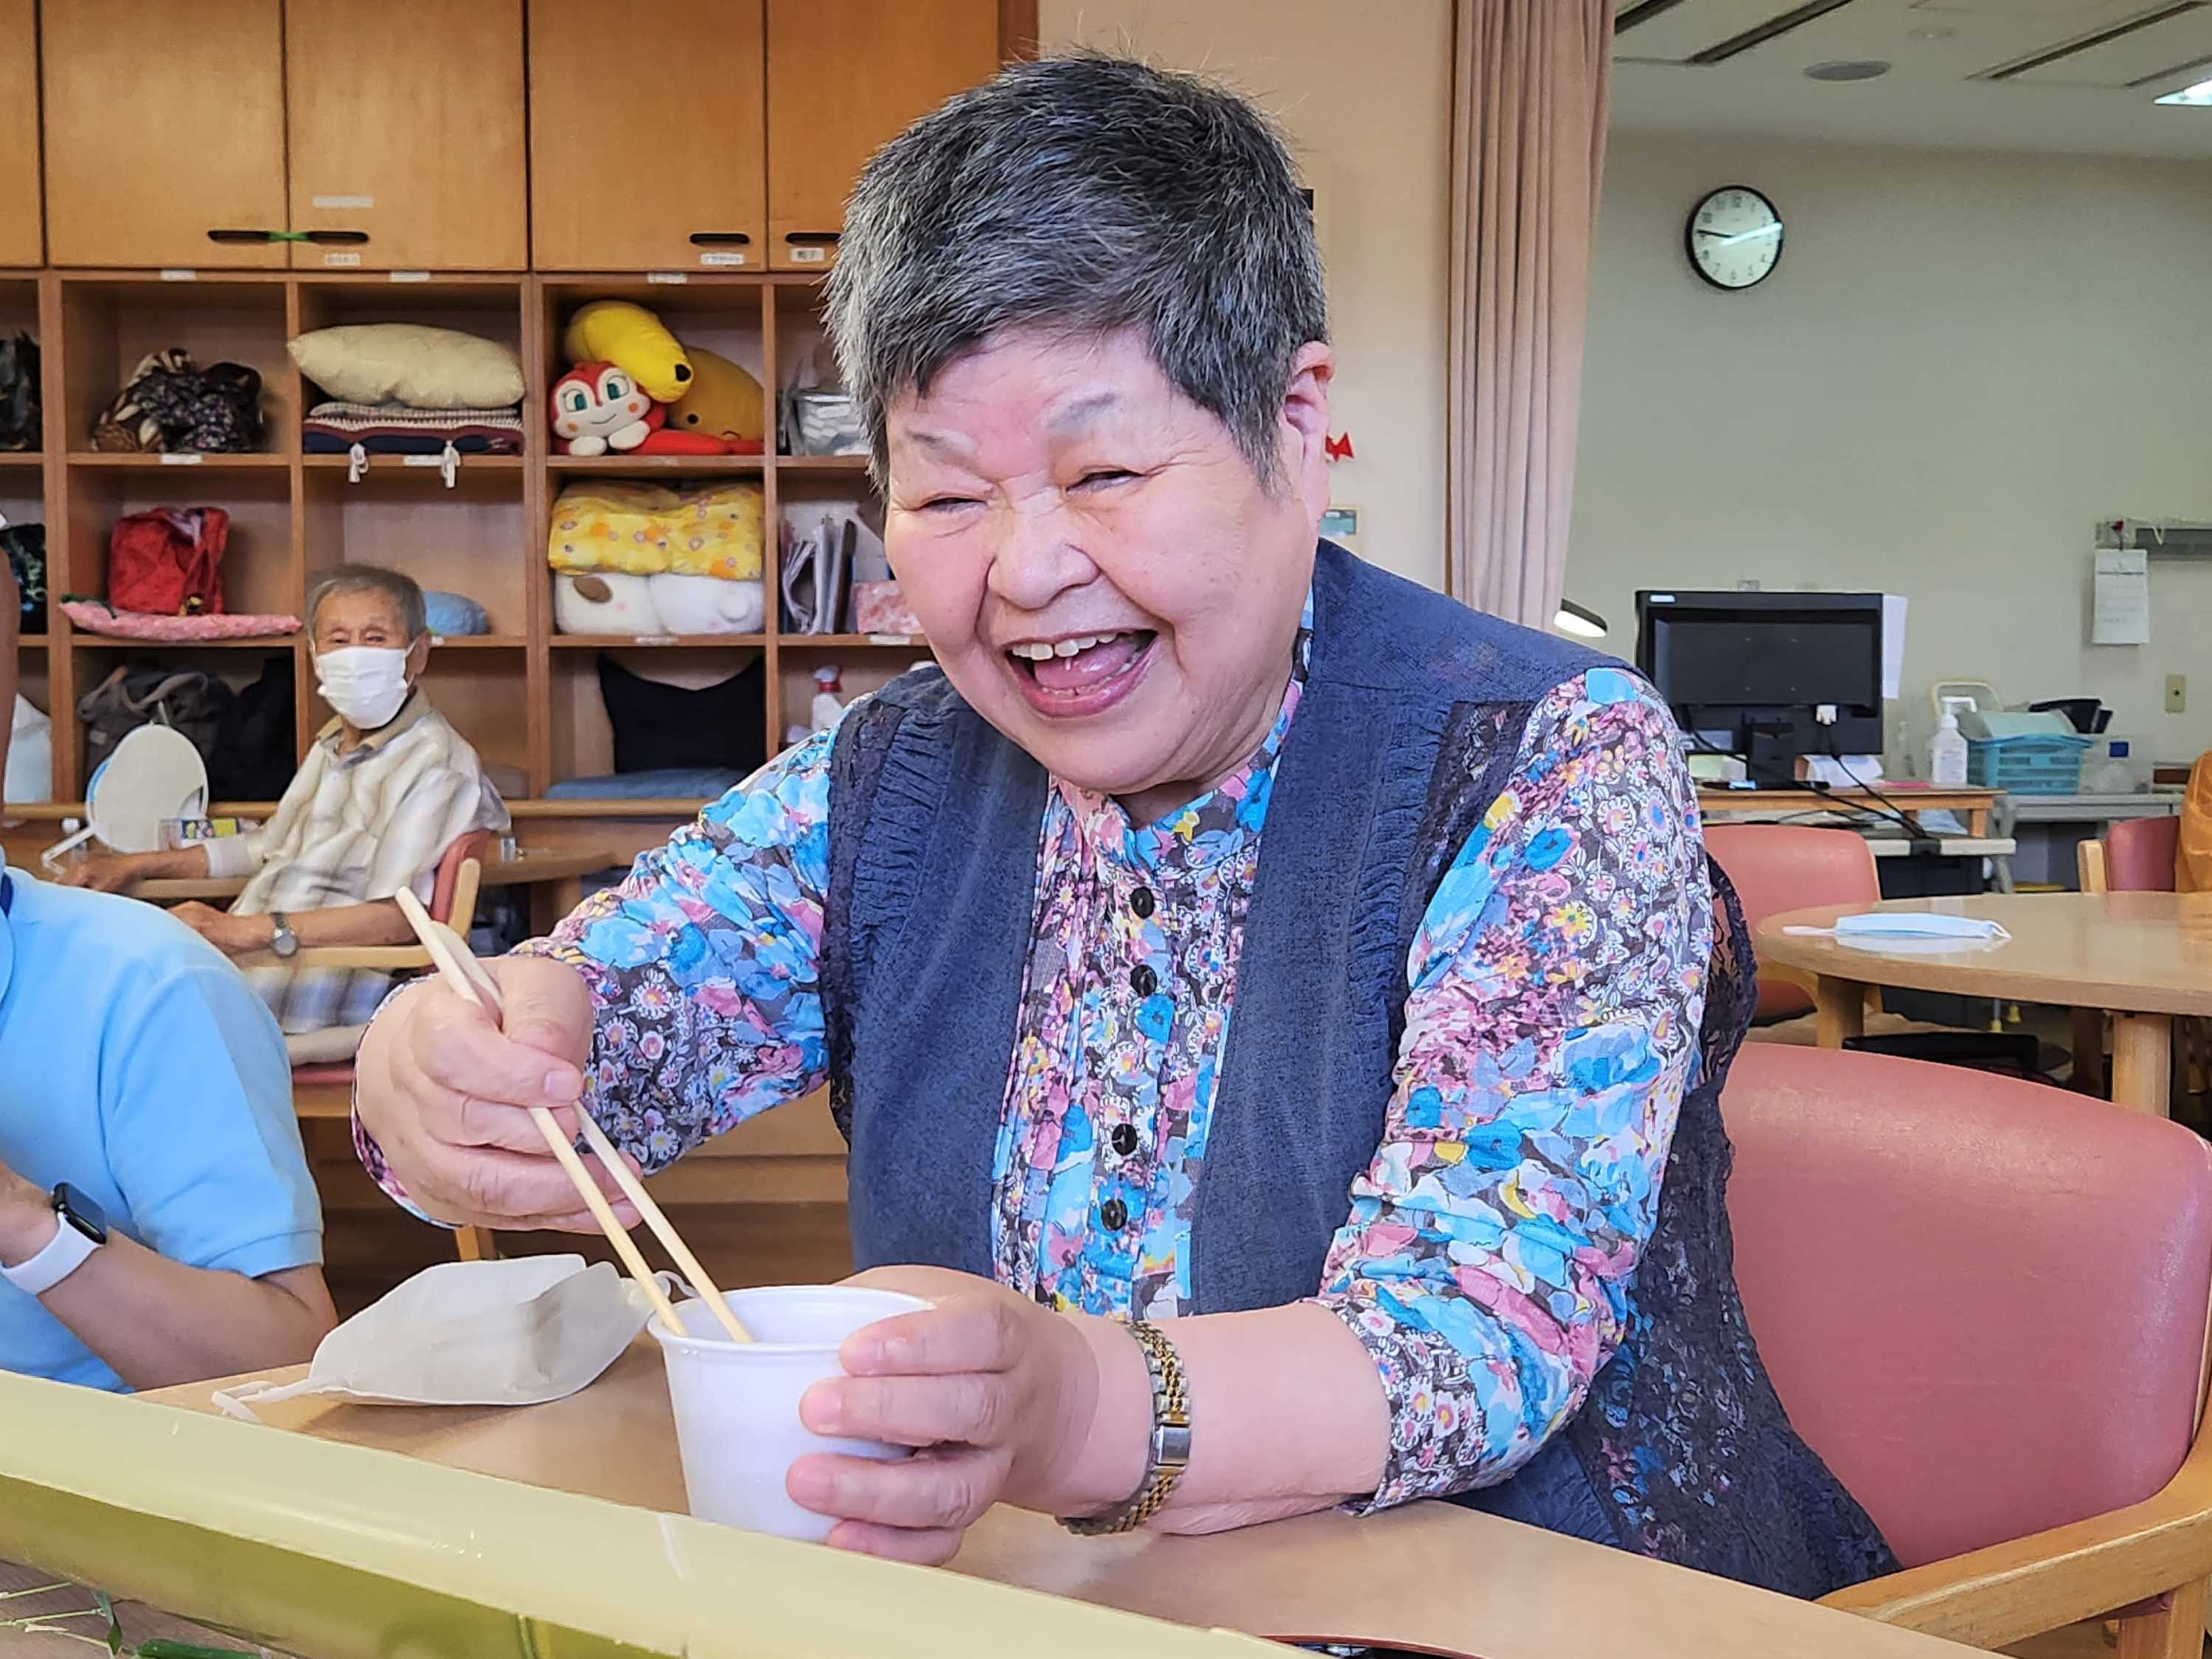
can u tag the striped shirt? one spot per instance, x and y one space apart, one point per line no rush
353 829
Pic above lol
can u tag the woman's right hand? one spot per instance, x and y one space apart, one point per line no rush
104 872
445 1089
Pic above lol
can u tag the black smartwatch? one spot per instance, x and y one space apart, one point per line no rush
77 1209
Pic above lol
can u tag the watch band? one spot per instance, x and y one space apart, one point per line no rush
1169 1452
68 1250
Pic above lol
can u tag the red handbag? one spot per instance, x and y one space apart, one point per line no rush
169 562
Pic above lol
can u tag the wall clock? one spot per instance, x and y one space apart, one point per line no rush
1733 237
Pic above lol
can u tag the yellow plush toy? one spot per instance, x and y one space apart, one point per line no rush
631 338
723 401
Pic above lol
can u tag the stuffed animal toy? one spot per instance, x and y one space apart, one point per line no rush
723 402
598 407
631 338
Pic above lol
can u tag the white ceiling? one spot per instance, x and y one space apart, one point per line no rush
1938 94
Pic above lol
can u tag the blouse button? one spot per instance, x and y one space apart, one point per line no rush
1142 902
1113 1215
1125 1139
1143 980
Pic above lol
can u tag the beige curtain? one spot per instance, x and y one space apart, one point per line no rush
1529 88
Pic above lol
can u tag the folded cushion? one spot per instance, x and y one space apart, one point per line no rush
96 618
646 530
334 428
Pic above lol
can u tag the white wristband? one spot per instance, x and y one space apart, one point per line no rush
66 1252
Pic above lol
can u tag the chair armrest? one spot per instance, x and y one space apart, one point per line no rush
2025 1586
388 958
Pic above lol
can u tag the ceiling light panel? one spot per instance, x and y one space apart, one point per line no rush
1680 32
2152 47
2067 17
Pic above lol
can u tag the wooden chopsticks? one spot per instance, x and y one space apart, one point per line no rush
465 976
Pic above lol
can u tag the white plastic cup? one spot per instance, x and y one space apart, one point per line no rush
737 1404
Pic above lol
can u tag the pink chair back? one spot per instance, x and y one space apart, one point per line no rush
2139 854
1984 1303
1787 867
477 845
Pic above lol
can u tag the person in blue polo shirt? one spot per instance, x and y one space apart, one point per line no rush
157 1221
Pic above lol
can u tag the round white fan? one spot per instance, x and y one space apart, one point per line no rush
153 773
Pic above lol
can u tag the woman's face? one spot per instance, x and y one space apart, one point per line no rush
1095 561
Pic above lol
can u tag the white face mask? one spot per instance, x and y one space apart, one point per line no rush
364 683
514 1333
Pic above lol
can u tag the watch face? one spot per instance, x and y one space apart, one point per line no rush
1734 237
77 1207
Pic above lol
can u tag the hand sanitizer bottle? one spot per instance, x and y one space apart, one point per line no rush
1946 749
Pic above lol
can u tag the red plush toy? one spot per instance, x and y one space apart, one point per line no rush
598 407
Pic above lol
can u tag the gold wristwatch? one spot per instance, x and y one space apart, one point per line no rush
1169 1453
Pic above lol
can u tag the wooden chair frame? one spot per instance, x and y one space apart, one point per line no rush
2150 1559
333 1101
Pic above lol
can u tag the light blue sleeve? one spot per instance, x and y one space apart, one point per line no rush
195 1098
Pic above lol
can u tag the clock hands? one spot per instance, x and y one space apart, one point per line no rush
1728 241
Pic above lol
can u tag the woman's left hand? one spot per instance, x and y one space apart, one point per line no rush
994 1391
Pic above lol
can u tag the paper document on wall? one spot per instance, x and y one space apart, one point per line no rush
1893 645
2120 608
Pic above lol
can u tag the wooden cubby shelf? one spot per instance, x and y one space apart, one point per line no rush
525 694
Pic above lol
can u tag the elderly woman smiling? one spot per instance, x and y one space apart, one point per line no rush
1238 968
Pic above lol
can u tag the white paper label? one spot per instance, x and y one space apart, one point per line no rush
676 277
188 458
411 275
421 460
2120 597
810 256
891 639
722 258
653 639
341 259
343 202
179 274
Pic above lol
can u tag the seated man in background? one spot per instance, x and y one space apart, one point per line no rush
387 787
157 1223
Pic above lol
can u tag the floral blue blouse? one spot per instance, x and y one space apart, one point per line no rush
1558 979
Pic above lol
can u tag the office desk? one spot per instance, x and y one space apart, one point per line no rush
1975 807
1429 1577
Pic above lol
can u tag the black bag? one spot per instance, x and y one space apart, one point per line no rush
253 757
19 393
189 699
25 547
658 726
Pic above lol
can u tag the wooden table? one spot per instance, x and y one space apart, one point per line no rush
2145 958
560 874
1429 1577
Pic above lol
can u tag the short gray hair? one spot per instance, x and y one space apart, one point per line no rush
1088 194
401 592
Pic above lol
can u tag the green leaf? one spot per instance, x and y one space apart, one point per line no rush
114 1626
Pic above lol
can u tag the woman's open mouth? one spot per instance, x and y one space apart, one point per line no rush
1082 674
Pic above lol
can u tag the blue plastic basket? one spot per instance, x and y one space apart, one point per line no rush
2042 764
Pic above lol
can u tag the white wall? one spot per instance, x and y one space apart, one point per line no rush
1961 364
1367 104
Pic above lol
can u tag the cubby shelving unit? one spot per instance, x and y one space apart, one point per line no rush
526 695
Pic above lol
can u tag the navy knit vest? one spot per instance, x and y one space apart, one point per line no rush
1411 718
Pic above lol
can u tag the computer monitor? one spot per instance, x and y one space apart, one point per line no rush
1769 677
